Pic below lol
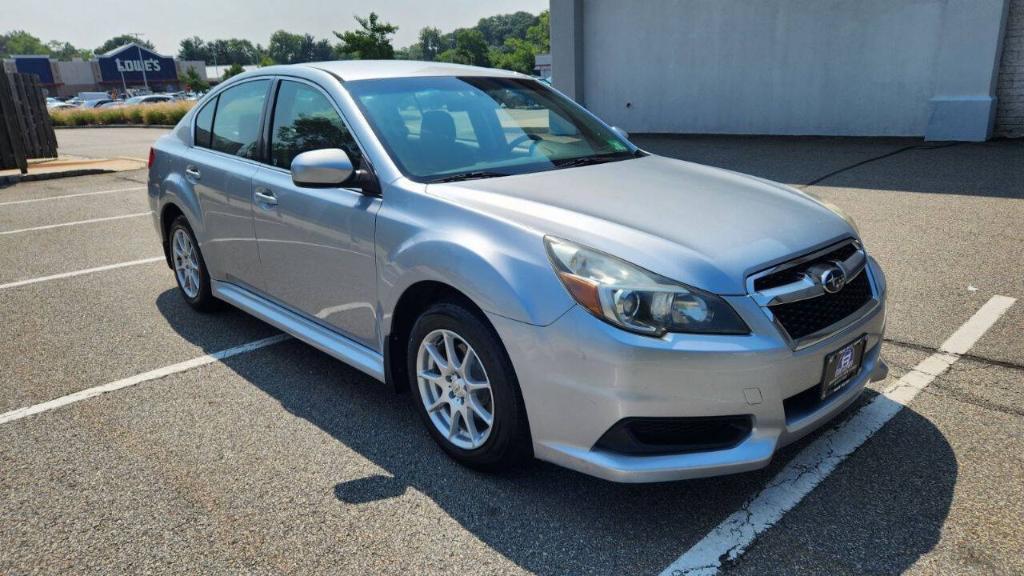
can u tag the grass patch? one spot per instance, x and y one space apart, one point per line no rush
142 114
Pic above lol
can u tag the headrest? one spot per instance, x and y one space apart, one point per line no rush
438 124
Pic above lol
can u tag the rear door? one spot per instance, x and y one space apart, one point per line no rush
220 167
316 245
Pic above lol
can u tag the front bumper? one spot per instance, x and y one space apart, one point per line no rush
580 376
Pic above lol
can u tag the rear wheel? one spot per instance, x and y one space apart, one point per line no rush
189 267
465 389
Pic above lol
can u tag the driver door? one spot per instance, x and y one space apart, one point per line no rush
316 245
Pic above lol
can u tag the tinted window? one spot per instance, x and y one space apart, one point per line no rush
204 124
304 120
236 125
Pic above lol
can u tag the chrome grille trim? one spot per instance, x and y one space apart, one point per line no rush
806 288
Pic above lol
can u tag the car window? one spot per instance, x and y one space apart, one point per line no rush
236 124
204 124
440 128
305 120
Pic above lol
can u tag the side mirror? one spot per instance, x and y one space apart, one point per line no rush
322 168
622 133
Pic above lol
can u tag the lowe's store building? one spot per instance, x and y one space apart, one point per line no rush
130 67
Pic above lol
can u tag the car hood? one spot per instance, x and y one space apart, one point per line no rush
706 227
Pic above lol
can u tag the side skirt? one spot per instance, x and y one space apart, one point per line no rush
317 336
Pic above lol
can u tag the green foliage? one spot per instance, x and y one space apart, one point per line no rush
539 35
226 51
510 41
149 114
470 48
497 29
19 42
371 42
121 40
66 51
193 81
233 70
518 56
288 48
432 43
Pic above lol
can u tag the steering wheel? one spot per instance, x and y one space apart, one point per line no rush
523 138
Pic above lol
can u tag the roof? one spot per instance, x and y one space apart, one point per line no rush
124 47
367 69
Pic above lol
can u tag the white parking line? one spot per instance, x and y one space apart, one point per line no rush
66 196
77 223
813 464
81 272
139 379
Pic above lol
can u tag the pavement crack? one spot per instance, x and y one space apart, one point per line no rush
968 356
875 159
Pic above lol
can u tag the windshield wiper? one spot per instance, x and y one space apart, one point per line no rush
469 176
589 160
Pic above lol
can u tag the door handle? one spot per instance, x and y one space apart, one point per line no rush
193 172
265 197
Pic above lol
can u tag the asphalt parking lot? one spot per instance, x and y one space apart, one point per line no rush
282 460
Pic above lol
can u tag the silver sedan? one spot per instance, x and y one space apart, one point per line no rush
539 285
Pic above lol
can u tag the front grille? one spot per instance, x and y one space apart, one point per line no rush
795 273
808 316
675 435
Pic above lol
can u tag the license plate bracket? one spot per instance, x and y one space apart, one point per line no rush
842 365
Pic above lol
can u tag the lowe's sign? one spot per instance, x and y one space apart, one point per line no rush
134 65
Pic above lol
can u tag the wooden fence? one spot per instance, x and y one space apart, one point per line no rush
26 130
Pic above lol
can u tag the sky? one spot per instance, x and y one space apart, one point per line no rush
165 23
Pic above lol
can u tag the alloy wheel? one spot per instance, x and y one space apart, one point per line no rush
455 389
186 262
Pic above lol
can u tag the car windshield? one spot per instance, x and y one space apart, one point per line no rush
440 129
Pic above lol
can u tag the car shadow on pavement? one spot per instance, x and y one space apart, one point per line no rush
549 520
214 331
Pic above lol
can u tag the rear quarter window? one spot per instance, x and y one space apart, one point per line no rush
204 124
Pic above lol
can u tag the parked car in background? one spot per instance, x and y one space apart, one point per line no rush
61 106
95 103
148 99
541 286
86 96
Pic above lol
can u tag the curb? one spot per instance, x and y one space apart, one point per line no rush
12 179
165 126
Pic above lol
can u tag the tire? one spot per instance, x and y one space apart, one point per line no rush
190 272
506 442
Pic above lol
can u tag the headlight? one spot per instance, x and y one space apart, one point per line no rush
637 300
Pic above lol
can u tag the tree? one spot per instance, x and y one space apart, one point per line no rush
497 29
66 51
470 48
432 43
372 42
121 40
20 42
233 70
284 47
288 48
193 81
539 35
193 48
519 56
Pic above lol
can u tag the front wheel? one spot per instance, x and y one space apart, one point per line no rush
465 389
